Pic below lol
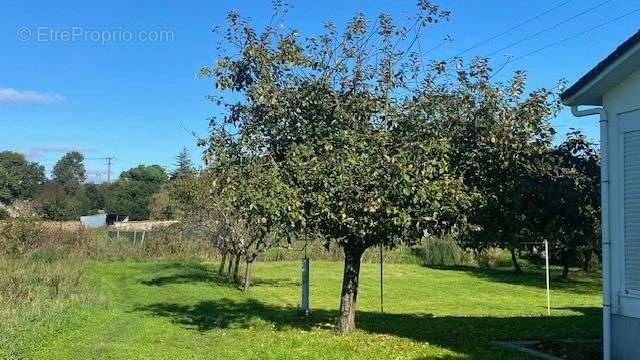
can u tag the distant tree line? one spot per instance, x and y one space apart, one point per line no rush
139 192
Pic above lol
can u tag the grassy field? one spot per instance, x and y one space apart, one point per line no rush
184 310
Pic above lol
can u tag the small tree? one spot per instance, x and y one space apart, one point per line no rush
250 192
184 166
210 216
270 209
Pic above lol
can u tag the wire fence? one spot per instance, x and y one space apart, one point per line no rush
135 237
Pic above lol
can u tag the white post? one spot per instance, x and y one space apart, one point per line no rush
546 260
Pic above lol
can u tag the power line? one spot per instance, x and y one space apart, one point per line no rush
514 27
576 35
548 28
109 160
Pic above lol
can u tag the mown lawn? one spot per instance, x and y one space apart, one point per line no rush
184 310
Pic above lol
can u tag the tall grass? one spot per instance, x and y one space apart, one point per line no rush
317 251
38 298
33 239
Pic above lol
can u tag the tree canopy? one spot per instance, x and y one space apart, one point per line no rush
184 166
69 171
132 193
19 178
328 112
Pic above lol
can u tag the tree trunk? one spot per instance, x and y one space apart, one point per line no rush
222 261
349 295
247 275
230 266
514 260
588 254
565 271
236 269
567 258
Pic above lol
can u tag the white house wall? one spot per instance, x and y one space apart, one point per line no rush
622 104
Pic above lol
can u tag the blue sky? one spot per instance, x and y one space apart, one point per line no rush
127 98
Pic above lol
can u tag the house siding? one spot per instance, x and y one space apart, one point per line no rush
622 103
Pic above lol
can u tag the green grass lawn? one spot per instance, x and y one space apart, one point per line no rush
184 310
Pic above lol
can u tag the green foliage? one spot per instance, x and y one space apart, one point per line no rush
97 195
20 232
57 203
4 213
152 174
162 206
376 143
567 194
443 251
245 207
132 193
46 255
492 258
19 179
499 140
64 198
69 171
184 166
317 251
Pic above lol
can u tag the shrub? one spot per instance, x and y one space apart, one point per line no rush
494 258
442 251
19 233
4 213
46 256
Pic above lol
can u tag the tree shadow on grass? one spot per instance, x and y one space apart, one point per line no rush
275 282
577 283
186 273
469 335
193 273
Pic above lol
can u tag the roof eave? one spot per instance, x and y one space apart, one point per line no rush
590 88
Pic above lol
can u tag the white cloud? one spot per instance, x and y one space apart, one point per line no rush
27 96
38 151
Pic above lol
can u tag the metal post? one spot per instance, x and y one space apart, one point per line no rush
381 283
546 259
109 169
304 304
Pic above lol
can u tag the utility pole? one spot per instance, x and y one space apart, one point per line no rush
110 160
109 169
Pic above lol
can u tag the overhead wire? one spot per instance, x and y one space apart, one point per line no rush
530 36
529 20
577 34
